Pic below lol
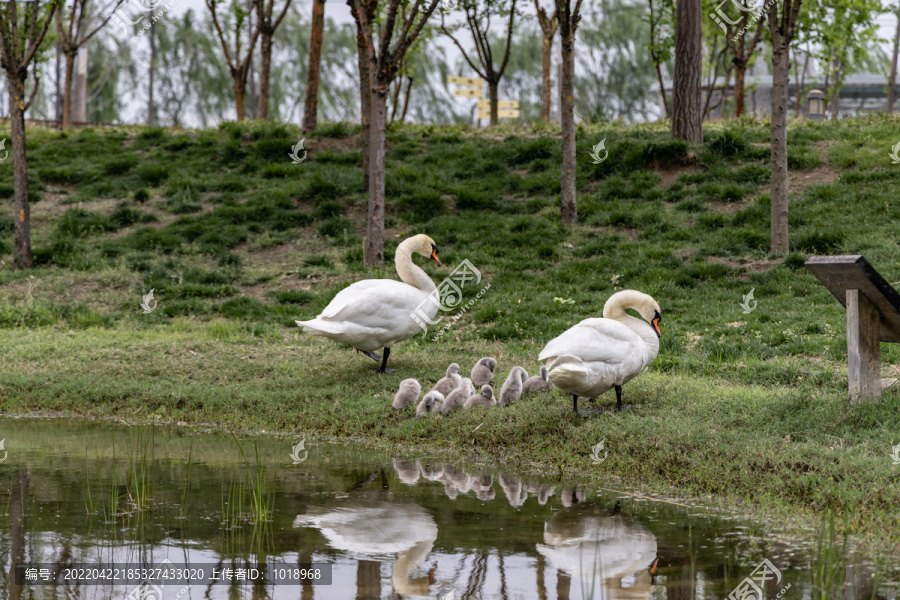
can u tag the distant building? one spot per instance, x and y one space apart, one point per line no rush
861 92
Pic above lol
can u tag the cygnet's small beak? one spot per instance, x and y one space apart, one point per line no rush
434 256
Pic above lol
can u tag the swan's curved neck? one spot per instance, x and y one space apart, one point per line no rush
640 327
409 272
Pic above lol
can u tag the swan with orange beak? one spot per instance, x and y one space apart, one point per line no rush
601 354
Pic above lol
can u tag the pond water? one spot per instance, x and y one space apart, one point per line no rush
100 510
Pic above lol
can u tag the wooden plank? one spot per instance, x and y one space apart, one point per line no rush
468 81
500 104
468 93
853 272
863 348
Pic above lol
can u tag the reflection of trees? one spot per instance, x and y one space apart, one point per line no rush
18 506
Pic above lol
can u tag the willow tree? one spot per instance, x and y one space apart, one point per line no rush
568 18
239 55
478 21
267 23
75 26
22 31
548 31
396 35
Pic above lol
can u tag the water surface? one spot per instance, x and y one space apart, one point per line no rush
383 526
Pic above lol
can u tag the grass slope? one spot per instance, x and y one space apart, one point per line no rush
238 242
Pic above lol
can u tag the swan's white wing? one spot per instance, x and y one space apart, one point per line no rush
372 314
594 340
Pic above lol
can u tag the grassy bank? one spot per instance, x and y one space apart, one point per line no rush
238 242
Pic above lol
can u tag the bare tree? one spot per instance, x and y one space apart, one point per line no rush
892 81
568 19
311 102
660 45
151 79
19 44
548 28
687 115
265 11
781 30
478 19
365 83
72 35
237 58
742 52
384 62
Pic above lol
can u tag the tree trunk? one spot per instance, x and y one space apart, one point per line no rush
493 84
546 65
310 105
239 89
835 100
22 236
687 115
18 506
59 98
395 99
779 217
409 84
365 96
375 223
265 70
67 88
151 105
740 70
892 82
567 115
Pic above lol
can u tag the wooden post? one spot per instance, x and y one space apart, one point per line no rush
863 348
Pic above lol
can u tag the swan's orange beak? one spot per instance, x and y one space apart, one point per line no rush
434 256
655 323
653 567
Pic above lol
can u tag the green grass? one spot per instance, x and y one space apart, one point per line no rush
238 243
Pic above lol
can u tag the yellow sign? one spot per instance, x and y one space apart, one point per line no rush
500 104
509 113
468 93
468 81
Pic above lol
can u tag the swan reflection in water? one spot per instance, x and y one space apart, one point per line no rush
458 482
609 556
374 529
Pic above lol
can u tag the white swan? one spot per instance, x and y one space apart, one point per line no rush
598 354
377 313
